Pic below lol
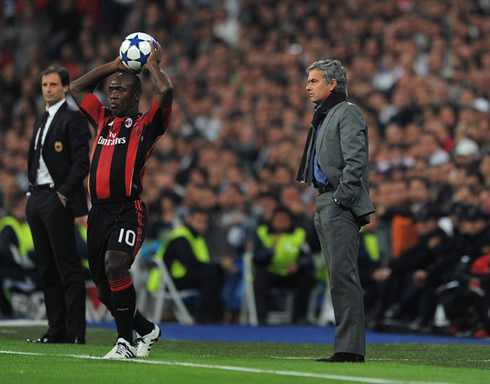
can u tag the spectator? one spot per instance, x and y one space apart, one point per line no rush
187 258
466 153
17 256
400 294
281 259
463 308
484 168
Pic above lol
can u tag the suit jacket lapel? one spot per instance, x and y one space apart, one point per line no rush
324 126
53 122
35 131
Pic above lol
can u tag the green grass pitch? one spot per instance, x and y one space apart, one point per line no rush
189 362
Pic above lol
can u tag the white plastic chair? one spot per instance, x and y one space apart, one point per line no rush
249 310
166 297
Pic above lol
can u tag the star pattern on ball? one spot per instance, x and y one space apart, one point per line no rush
124 56
144 58
135 41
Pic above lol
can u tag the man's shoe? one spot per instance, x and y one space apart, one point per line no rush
122 350
343 357
47 339
144 343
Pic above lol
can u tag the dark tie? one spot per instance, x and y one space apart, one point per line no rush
38 148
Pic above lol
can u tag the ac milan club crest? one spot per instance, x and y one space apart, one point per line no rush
128 123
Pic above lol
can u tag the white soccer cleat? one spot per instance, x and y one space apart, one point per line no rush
144 343
122 350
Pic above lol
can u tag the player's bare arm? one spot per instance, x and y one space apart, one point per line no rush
161 80
86 84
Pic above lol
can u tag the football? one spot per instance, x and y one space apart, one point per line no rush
135 50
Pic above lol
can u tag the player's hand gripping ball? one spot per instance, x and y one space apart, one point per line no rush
135 50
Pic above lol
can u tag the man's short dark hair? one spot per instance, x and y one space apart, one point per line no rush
62 72
427 213
198 210
134 80
283 209
423 180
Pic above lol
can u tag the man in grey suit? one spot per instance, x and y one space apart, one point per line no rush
335 161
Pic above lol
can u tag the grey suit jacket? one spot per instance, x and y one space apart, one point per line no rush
342 152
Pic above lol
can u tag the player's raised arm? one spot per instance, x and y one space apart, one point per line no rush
163 84
85 84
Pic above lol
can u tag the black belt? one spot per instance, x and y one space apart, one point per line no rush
325 188
39 187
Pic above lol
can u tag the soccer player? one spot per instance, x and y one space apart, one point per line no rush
117 220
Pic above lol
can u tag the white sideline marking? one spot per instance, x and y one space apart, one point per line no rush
237 369
22 323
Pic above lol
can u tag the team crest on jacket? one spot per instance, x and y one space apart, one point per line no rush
128 122
58 146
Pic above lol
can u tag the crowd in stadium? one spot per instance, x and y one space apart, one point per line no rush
419 71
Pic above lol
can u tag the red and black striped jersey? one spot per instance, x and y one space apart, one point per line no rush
121 148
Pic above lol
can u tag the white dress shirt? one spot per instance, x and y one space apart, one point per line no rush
43 176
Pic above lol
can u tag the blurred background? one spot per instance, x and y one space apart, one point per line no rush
419 71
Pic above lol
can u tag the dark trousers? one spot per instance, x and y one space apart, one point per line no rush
302 282
60 269
338 232
208 280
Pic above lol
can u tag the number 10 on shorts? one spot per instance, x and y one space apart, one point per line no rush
128 236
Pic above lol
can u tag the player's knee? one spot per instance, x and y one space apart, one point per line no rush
116 264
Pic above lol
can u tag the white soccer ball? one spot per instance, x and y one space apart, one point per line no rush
135 50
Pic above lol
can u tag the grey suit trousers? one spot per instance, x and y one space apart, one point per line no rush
339 237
